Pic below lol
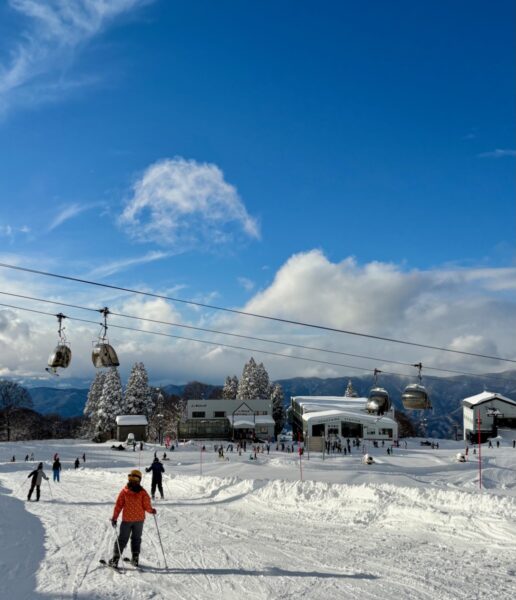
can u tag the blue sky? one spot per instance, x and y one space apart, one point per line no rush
231 152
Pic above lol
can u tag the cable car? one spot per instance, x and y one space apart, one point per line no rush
62 355
415 396
103 354
378 400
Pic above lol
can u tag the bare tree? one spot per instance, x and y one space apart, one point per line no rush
13 397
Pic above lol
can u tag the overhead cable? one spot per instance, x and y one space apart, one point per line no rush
242 336
250 314
218 344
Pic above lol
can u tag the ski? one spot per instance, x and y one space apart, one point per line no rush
105 563
128 560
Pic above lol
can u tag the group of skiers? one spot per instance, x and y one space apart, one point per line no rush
132 502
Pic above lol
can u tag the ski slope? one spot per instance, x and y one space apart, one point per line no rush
411 526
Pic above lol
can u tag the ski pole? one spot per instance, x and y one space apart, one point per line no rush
118 544
159 537
50 488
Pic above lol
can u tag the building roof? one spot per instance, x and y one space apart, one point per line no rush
351 415
131 420
485 397
248 422
317 403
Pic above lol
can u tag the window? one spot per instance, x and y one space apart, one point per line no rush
387 432
198 414
218 414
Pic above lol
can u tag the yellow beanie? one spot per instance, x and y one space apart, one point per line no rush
135 473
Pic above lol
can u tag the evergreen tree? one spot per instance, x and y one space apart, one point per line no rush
262 382
139 398
254 382
350 392
110 402
92 403
230 389
278 407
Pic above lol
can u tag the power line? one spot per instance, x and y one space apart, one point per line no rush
255 315
254 350
241 336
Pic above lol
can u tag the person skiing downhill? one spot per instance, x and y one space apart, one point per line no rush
37 475
133 502
157 470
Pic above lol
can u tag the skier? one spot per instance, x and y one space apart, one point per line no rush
77 463
84 457
56 468
31 456
37 475
133 501
26 458
157 469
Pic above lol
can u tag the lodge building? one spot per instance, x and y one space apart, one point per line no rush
228 419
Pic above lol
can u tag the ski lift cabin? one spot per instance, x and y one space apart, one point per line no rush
378 401
415 396
62 355
103 354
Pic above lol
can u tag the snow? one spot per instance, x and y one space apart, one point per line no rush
413 525
485 397
131 420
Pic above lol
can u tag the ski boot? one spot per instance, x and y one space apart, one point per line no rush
134 560
113 562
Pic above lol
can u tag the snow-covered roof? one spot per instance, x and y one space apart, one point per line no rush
485 397
248 422
317 403
131 420
351 415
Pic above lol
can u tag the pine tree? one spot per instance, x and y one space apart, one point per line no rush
254 382
138 395
350 392
92 403
262 382
230 389
110 403
278 407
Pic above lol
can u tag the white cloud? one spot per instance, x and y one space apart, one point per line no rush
183 204
246 283
471 310
53 31
498 153
68 212
10 231
123 264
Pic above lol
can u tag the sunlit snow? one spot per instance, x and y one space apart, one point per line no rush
412 525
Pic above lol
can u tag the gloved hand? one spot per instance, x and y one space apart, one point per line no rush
154 511
113 522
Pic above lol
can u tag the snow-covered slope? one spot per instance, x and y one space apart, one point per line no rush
412 525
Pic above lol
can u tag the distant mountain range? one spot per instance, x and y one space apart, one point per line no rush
446 395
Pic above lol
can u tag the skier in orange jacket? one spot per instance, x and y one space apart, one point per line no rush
133 502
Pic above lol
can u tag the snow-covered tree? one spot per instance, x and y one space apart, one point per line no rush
230 389
278 407
92 403
139 399
350 392
262 382
254 382
110 402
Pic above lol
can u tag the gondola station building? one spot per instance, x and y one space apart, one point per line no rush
228 419
318 418
496 413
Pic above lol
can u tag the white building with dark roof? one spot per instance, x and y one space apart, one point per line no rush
494 411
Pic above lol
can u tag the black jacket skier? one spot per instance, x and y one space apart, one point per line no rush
157 471
37 475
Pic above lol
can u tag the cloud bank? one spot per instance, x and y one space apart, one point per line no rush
471 310
183 204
